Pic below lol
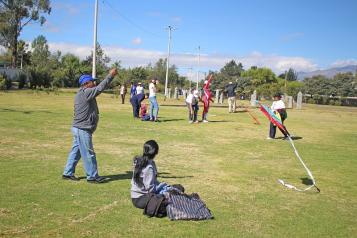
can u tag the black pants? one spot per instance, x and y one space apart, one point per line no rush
136 109
122 98
272 130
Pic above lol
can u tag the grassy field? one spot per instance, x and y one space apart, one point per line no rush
228 161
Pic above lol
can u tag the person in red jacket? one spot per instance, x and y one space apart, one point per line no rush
206 98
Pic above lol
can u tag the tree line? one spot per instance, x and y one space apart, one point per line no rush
44 69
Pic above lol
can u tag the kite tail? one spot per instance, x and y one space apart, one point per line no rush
305 167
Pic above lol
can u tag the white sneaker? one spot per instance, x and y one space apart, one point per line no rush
269 138
190 122
205 121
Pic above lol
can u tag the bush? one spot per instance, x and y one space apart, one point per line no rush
338 103
5 82
2 83
22 80
331 102
311 101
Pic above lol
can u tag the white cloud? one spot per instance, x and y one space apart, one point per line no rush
141 57
341 63
137 41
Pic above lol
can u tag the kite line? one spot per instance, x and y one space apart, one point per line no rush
273 118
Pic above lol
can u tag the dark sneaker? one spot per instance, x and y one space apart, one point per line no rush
96 180
70 177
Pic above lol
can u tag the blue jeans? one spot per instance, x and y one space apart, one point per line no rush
154 108
82 148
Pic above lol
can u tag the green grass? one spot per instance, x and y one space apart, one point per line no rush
227 161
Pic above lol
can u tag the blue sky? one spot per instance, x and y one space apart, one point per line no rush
305 35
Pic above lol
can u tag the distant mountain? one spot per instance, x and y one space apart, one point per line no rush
329 73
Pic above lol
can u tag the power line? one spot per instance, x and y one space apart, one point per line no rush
129 20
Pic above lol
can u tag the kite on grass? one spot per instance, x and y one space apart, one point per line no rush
276 120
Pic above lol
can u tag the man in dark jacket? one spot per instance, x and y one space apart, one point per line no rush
231 95
136 103
86 116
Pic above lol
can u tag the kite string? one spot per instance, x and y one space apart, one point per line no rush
302 162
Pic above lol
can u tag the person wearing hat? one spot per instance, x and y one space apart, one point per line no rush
139 89
278 107
231 95
86 116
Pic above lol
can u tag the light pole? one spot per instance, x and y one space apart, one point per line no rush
169 28
95 39
198 70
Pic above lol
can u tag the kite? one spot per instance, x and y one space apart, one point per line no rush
276 120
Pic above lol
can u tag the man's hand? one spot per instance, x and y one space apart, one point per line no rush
113 72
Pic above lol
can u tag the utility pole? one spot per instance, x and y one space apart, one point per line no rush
198 70
95 39
169 28
189 76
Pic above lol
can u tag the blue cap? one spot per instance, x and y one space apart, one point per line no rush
85 78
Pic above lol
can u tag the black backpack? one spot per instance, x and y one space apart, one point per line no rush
156 206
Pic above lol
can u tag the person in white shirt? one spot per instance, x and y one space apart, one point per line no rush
122 93
139 89
278 107
192 105
154 107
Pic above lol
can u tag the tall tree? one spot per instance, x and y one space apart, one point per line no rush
15 15
40 63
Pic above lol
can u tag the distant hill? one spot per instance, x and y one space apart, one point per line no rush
329 73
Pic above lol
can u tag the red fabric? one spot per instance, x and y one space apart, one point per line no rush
143 110
207 95
272 120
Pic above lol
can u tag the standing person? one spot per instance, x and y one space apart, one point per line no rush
278 108
189 102
139 89
195 101
192 105
123 93
206 98
86 116
132 89
231 95
154 107
136 103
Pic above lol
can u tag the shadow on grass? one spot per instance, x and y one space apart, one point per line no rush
218 121
168 120
292 137
306 181
114 177
24 112
167 175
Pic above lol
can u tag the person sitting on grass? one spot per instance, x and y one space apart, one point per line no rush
144 183
143 112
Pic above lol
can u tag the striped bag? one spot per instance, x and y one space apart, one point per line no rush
187 207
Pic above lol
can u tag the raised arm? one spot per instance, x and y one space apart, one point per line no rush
94 92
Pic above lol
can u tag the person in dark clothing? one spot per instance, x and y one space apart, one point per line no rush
135 101
231 95
86 116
